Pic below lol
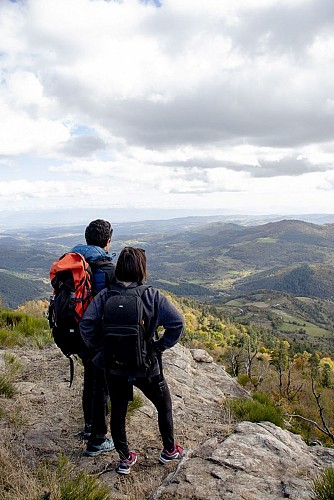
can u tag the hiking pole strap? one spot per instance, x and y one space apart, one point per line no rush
71 370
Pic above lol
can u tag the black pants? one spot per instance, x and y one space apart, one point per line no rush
120 392
94 401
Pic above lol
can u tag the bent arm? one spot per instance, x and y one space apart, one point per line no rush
172 321
91 323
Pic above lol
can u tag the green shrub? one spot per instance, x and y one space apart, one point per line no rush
323 485
12 366
263 398
6 338
9 318
6 387
134 405
243 379
64 484
258 409
17 328
28 325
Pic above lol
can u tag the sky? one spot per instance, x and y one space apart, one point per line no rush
194 105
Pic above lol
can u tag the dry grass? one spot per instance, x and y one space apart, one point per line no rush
43 481
16 478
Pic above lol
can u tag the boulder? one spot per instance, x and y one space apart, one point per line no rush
258 461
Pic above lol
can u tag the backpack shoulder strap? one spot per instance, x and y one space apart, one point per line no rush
138 290
106 266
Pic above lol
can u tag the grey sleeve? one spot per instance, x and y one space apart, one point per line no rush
171 320
91 323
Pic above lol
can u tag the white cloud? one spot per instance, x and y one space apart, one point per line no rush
190 103
21 133
327 183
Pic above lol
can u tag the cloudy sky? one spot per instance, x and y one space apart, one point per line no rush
181 104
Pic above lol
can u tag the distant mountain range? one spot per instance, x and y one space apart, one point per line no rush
79 216
196 257
227 258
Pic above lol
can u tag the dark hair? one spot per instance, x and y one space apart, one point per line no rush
131 265
98 232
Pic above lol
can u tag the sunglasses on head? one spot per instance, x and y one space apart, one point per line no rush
135 248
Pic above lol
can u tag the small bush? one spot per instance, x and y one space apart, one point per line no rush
243 379
6 338
18 328
12 366
63 484
323 485
259 409
134 405
6 387
263 398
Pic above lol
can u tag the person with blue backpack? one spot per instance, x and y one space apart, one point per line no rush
121 325
98 236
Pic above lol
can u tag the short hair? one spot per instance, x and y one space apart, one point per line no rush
98 232
131 265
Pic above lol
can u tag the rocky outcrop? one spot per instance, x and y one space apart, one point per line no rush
257 462
198 387
194 377
224 460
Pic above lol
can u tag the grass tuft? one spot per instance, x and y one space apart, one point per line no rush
323 485
12 366
134 405
6 387
64 484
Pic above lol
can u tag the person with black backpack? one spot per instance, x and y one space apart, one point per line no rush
98 235
120 324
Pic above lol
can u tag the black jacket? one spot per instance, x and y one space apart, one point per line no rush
159 311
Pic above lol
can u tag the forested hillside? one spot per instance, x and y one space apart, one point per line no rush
15 291
304 280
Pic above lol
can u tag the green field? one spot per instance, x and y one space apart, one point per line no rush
294 324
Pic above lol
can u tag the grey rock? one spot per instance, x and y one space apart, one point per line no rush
42 440
201 355
207 383
258 461
24 387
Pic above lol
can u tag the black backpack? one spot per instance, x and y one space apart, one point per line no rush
127 348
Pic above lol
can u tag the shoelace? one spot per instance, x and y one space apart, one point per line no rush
128 461
177 449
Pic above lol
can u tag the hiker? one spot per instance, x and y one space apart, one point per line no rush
98 235
130 275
